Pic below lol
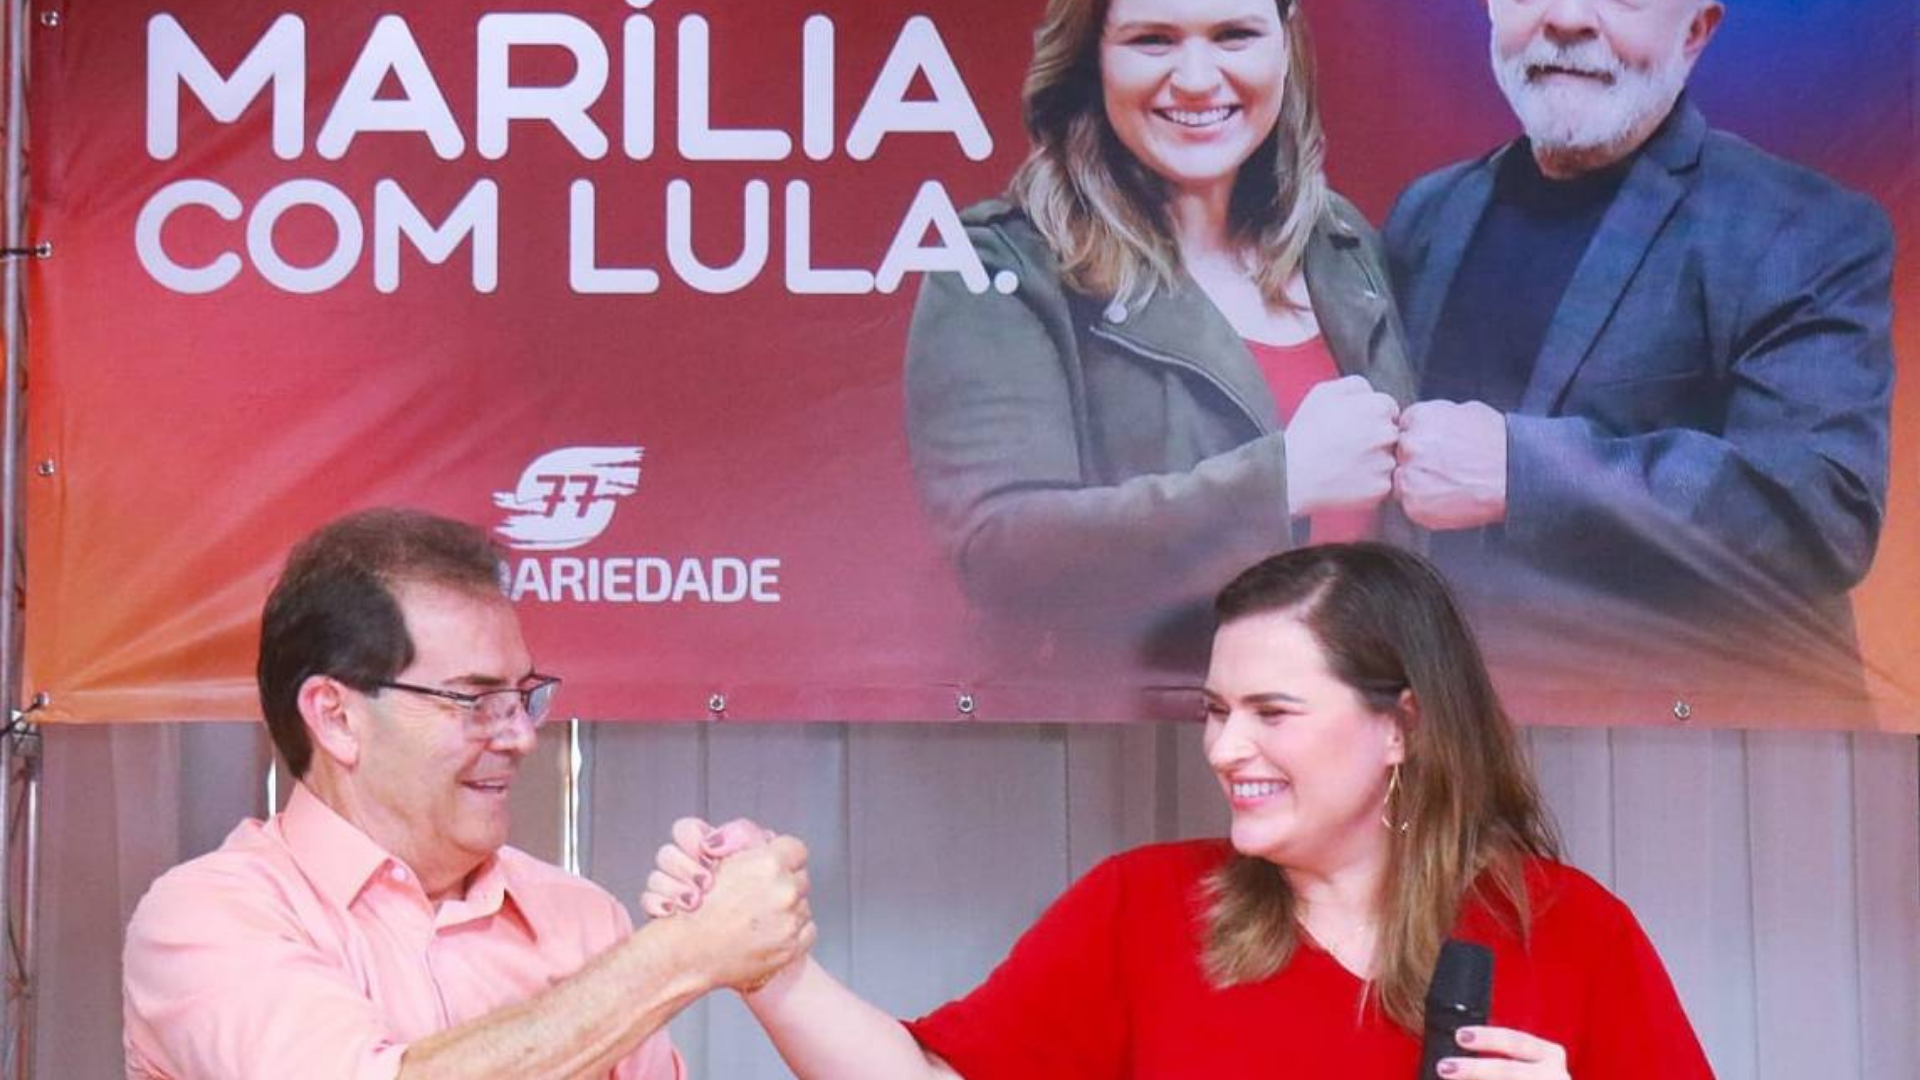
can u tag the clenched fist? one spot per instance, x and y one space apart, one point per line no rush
1340 448
753 919
1453 464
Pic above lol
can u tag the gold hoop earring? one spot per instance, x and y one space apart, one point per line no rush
1386 804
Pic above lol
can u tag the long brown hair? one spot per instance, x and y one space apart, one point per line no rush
1104 213
1387 624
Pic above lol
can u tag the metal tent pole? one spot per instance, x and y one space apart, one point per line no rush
571 765
15 1003
20 746
23 785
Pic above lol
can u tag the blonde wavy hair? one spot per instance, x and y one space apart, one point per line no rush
1104 213
1467 796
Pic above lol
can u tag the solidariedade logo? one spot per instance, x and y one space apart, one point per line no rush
566 498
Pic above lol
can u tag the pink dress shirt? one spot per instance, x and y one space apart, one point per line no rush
301 949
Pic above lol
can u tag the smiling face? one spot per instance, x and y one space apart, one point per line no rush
423 790
1303 761
1192 87
1596 76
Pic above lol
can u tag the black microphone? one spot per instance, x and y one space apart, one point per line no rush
1457 997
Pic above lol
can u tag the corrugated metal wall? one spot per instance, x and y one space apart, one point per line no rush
1778 872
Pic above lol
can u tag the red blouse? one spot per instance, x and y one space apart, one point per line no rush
1291 371
1108 985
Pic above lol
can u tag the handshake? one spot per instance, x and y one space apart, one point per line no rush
745 888
1350 447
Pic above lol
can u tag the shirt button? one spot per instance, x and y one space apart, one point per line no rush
398 873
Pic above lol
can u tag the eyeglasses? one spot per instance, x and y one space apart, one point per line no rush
490 712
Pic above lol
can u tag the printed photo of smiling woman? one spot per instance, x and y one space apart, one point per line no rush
1200 363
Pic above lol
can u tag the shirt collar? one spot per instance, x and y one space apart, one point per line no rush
497 886
340 860
337 857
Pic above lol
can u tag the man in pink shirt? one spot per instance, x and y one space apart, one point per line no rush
379 927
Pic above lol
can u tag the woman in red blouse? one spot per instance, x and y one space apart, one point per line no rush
1380 805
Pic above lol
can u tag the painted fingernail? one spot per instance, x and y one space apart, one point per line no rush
1447 1067
702 880
1464 1036
713 841
688 900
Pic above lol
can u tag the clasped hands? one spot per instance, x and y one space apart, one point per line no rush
1349 447
746 886
745 869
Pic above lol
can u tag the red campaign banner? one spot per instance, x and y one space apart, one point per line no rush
634 286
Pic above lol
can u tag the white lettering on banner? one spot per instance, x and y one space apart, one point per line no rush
646 579
390 50
932 208
699 139
687 264
476 216
637 88
919 49
329 271
802 276
929 239
566 497
498 101
584 273
816 87
280 58
191 280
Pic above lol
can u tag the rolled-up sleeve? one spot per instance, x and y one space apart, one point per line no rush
221 985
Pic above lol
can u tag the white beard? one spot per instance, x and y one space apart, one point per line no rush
1570 115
